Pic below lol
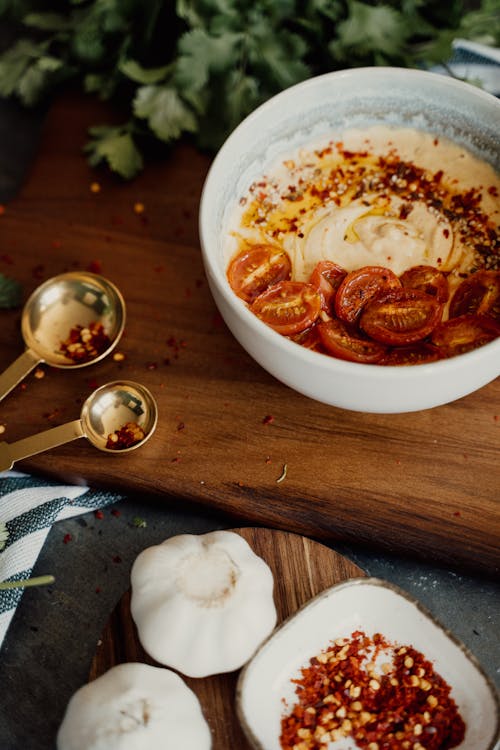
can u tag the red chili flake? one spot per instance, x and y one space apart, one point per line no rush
92 383
85 343
176 460
2 209
457 513
199 283
7 259
159 269
116 512
180 426
117 559
268 419
217 320
67 538
95 266
98 589
379 693
496 418
38 271
268 460
128 435
99 514
50 415
56 244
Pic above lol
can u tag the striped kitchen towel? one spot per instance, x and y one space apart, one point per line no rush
29 506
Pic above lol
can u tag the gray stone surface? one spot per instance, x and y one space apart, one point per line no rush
50 644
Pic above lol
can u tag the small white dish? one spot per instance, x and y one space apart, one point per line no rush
373 606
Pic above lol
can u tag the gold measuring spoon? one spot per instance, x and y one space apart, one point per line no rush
73 306
116 418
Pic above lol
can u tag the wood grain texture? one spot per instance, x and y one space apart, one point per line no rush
301 568
425 484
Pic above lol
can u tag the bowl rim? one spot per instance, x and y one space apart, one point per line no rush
394 588
217 275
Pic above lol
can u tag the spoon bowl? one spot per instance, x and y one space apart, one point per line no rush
70 321
114 405
118 417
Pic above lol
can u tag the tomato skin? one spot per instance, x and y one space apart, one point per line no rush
256 268
360 287
427 279
327 277
464 333
288 307
401 317
339 341
478 294
309 338
412 354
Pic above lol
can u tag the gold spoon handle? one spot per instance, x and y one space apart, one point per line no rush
17 371
43 441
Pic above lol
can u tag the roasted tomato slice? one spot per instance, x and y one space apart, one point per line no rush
464 333
309 338
413 354
289 306
401 317
344 344
256 268
361 286
427 279
478 294
327 277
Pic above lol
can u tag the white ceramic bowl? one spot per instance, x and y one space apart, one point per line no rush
373 606
299 115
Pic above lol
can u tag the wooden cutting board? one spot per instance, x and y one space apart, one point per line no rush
230 437
301 568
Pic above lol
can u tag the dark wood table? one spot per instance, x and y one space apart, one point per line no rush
425 484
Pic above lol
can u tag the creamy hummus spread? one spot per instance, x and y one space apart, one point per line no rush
392 197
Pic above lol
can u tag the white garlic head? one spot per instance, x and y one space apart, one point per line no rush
202 603
134 707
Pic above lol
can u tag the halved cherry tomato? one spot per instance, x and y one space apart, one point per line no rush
327 277
288 307
361 286
464 333
253 270
401 317
344 344
427 279
479 294
413 354
309 338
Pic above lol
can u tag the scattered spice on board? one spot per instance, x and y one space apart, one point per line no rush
67 538
84 343
268 419
383 695
125 437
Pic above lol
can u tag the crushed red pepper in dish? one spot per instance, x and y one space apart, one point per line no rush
383 695
128 435
85 343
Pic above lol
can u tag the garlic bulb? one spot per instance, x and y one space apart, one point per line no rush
134 707
202 603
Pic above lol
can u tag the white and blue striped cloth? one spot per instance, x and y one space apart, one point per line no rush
29 507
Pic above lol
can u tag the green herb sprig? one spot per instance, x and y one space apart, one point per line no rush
198 67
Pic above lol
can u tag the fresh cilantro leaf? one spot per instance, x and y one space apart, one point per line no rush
167 115
48 21
116 147
370 30
137 73
11 292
